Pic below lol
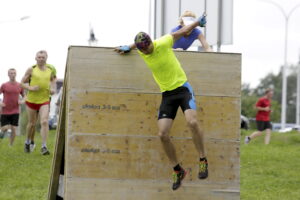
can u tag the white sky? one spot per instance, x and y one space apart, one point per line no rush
259 34
55 24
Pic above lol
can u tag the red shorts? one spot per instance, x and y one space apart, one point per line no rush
35 106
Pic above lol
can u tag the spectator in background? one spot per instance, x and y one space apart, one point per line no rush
187 18
263 123
11 91
40 81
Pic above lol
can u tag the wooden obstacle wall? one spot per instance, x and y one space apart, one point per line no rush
107 136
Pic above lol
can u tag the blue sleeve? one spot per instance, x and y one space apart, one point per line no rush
175 29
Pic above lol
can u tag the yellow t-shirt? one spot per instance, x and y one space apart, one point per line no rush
42 78
164 65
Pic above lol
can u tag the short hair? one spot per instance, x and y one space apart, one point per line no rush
12 69
42 52
186 13
268 90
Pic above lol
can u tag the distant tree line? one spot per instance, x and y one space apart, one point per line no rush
250 95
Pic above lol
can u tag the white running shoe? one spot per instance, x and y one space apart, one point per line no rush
247 139
32 147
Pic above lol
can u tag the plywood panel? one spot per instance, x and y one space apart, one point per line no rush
136 114
211 74
115 189
137 157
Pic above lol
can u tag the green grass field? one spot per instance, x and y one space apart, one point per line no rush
269 172
24 176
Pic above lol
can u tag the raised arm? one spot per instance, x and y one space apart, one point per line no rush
204 43
186 29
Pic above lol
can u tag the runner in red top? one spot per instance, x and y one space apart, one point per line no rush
263 115
10 106
263 123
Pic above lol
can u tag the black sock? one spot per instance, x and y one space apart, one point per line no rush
203 159
32 142
177 168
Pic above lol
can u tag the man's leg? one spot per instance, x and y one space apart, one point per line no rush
13 134
3 131
31 114
5 125
260 128
197 133
14 123
255 134
164 126
32 134
252 136
198 139
32 130
44 116
5 128
268 136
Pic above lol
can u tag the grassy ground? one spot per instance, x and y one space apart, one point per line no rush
271 172
24 176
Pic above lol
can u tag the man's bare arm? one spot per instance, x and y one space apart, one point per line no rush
53 85
25 81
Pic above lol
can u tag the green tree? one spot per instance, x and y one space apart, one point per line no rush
248 100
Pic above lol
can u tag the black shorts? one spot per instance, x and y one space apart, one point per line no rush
12 119
263 125
182 96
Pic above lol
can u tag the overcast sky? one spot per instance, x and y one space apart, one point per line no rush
56 24
259 34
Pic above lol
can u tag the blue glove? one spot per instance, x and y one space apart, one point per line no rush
125 48
202 20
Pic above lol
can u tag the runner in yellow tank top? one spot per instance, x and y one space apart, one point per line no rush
40 81
176 91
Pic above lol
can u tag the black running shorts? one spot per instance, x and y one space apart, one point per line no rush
263 125
182 96
12 119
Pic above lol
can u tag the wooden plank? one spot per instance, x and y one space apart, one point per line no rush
136 114
101 189
211 74
138 157
58 157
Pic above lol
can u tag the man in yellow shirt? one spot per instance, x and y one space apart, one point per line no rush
176 91
40 81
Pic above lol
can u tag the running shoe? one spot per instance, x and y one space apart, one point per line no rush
203 171
32 146
44 151
27 148
178 176
247 139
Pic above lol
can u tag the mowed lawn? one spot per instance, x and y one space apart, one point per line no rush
25 176
271 172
